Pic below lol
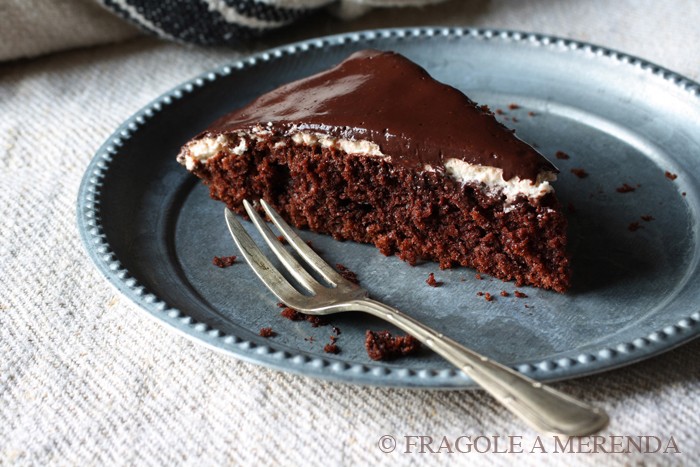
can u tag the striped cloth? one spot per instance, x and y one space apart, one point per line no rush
228 22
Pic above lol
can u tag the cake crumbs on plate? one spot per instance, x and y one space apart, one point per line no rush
478 277
267 332
223 261
625 188
531 114
432 282
561 155
282 239
347 273
670 175
504 293
513 106
381 345
316 321
520 294
294 315
634 226
332 347
336 330
488 297
647 218
580 173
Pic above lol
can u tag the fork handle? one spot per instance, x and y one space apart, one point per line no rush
541 406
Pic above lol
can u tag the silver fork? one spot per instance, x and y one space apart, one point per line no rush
542 407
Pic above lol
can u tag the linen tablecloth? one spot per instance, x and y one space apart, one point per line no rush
87 378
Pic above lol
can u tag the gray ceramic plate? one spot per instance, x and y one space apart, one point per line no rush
152 230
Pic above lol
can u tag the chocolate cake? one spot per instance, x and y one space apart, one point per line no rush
376 151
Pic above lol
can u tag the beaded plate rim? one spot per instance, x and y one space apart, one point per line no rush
94 238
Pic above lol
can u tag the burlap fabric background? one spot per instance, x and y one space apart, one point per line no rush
86 378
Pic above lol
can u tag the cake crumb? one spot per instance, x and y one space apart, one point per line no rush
504 293
282 239
519 294
432 282
292 314
347 273
281 305
488 297
561 155
381 345
625 188
580 173
683 194
513 106
499 112
223 261
316 321
480 294
515 120
670 175
531 113
267 332
331 348
634 226
336 330
478 277
485 108
647 218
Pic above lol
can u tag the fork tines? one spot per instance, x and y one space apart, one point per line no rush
270 276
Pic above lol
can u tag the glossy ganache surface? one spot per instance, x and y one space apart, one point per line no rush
385 98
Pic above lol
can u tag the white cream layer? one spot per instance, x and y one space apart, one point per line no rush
490 178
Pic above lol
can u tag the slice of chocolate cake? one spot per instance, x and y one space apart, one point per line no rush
374 150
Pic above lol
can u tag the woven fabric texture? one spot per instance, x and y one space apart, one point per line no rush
220 22
33 27
87 379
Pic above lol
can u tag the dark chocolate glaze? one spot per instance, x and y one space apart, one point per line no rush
385 98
